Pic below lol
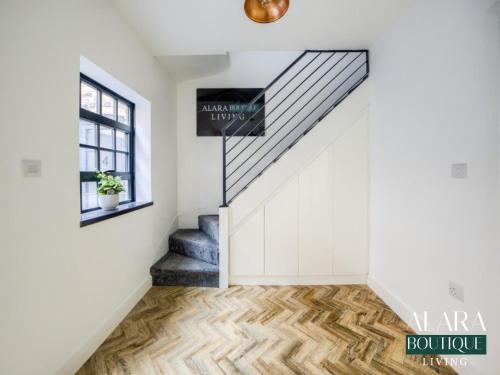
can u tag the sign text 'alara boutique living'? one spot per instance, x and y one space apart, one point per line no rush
218 108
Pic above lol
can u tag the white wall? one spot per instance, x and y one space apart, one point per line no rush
200 158
59 283
305 221
435 102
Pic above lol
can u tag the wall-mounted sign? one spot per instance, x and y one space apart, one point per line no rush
216 108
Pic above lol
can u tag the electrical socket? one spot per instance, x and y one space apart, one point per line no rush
456 291
32 168
459 170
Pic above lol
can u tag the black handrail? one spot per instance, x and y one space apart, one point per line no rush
337 94
296 140
269 113
269 101
287 134
291 105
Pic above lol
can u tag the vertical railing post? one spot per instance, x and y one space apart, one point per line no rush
224 199
367 54
223 247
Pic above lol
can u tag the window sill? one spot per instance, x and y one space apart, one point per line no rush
92 217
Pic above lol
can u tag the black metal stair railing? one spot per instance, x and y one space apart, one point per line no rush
295 101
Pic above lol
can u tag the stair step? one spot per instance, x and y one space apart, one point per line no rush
195 244
209 224
177 269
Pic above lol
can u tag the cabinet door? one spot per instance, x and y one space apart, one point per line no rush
316 216
281 222
350 205
247 247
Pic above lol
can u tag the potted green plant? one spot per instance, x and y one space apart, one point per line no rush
108 189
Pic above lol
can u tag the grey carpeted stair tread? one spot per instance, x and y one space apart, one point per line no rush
177 269
209 224
195 244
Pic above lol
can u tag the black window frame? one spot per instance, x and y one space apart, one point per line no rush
99 120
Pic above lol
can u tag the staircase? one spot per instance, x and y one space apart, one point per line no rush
193 257
293 104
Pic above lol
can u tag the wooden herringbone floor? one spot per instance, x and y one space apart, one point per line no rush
258 330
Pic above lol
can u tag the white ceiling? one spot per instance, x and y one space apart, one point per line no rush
180 27
186 67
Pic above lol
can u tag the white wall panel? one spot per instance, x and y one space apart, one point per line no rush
247 245
350 201
305 220
281 222
316 216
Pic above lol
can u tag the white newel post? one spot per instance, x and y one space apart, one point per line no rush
223 247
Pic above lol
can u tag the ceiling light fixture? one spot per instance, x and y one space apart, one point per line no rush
266 11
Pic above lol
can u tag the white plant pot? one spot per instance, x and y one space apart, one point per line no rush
108 202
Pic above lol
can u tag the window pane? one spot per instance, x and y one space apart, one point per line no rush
88 160
89 195
89 97
124 195
121 162
108 106
123 113
121 141
107 163
106 137
88 133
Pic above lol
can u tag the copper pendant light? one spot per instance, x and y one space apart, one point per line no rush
266 11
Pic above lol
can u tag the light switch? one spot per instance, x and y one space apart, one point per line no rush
459 170
32 168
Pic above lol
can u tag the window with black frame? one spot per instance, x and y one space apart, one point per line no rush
106 141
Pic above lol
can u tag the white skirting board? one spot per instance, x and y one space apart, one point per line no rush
406 313
394 302
298 280
96 338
